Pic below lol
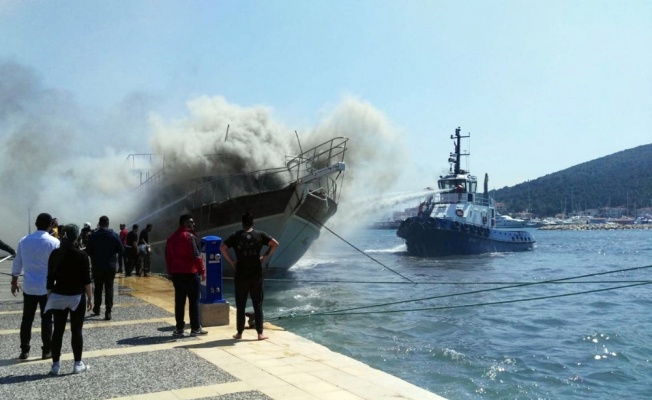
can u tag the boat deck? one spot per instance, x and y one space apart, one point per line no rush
134 356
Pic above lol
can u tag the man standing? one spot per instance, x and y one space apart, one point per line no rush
185 265
123 238
32 259
104 246
247 244
84 235
54 228
131 250
145 250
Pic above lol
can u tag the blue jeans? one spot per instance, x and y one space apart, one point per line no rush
30 302
186 285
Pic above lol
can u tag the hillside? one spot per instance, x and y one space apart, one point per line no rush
621 179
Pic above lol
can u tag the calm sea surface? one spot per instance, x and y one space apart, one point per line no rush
592 345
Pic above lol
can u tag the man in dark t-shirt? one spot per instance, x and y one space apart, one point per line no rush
131 250
247 245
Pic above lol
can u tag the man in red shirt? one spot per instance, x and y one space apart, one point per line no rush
185 265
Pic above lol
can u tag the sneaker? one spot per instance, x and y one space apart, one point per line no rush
55 369
178 333
79 368
24 355
197 332
46 355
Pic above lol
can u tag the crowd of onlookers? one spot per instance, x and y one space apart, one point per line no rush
67 270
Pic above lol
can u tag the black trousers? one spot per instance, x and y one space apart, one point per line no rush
76 325
103 279
132 260
186 286
30 302
245 287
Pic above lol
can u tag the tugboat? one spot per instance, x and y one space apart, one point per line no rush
457 220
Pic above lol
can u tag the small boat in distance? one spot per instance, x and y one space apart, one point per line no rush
457 220
397 217
506 221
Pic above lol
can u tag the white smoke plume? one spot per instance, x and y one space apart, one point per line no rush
46 161
59 158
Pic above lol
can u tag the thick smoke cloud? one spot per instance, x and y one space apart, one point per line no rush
59 158
50 159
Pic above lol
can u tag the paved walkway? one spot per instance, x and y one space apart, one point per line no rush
134 356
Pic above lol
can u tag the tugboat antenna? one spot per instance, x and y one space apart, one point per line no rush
458 138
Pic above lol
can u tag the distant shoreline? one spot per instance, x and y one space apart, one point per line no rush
593 227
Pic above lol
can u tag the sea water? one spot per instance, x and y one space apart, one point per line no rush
482 327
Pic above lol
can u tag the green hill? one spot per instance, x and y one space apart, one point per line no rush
623 179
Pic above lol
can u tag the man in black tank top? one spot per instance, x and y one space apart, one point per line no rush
247 245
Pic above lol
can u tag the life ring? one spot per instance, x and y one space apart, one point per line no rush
484 219
493 222
459 212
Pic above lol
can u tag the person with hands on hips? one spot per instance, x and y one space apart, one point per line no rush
247 244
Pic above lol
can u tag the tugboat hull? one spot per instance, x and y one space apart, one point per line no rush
433 237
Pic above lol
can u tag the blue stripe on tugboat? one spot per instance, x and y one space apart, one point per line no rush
458 220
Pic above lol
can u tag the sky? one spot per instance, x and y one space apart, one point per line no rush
540 86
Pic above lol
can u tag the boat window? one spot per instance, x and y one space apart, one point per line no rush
448 185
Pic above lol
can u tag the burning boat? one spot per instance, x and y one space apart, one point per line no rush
291 202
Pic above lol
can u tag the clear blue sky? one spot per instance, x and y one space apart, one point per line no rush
541 85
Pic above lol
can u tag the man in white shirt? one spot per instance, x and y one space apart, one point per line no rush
32 258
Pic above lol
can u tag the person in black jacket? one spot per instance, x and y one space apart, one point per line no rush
104 247
69 292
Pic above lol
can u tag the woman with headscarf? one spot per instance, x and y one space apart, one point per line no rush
69 292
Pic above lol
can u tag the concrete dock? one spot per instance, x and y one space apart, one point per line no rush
134 356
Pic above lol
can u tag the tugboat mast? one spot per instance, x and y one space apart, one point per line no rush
458 138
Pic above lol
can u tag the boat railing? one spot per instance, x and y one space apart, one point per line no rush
222 188
320 156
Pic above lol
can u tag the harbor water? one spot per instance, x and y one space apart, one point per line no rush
482 327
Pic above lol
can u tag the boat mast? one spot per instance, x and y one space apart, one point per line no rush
458 138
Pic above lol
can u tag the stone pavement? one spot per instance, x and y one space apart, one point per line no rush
134 356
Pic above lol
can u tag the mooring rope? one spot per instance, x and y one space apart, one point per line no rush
473 304
361 251
551 281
